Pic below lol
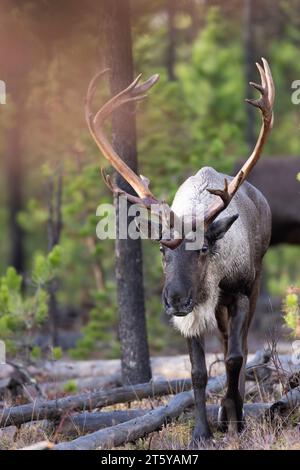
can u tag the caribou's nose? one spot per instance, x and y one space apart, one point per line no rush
178 303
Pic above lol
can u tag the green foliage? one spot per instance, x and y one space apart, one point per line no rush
291 309
198 119
214 95
36 353
45 268
70 387
57 353
282 264
24 305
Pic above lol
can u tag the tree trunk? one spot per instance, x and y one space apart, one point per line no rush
129 271
54 230
171 47
14 168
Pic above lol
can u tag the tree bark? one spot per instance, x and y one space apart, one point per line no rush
171 47
55 187
15 178
84 423
129 270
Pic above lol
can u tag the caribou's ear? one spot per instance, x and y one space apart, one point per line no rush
217 230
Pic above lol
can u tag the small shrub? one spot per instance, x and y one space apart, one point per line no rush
291 309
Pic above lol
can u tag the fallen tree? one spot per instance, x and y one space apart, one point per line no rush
289 401
86 422
16 380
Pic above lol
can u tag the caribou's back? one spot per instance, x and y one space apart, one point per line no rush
249 236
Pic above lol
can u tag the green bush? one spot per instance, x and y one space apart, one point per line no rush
24 302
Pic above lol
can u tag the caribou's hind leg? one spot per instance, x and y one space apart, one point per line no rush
231 410
235 334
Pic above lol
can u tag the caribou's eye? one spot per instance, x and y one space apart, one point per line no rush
204 249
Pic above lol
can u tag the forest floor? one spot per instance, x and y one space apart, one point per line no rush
283 434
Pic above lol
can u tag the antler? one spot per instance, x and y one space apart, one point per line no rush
134 92
265 104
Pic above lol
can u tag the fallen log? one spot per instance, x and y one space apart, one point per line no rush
288 402
7 435
16 380
53 409
87 422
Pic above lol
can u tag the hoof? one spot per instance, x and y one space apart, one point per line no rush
229 418
222 420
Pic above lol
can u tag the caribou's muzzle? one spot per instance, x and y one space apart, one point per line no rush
177 304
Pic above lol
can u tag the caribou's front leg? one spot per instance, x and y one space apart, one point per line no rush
199 380
231 411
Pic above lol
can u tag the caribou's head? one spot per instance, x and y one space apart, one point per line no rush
184 268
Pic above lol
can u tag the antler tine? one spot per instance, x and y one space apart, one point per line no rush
118 191
265 104
262 74
270 82
222 193
134 92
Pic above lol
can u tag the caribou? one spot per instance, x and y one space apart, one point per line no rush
216 285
